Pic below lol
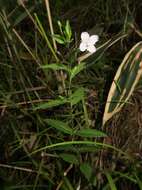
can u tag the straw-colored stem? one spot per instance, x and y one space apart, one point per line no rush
50 23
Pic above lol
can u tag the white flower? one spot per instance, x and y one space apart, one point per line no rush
88 42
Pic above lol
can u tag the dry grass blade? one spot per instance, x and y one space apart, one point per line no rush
50 23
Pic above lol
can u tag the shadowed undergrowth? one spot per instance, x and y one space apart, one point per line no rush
51 107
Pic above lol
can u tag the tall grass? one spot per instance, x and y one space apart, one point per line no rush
52 97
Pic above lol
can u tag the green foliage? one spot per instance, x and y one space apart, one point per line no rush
77 69
71 71
77 96
51 104
68 31
59 125
52 97
87 170
111 181
55 67
90 133
70 158
65 36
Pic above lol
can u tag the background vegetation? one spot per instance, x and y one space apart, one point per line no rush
51 107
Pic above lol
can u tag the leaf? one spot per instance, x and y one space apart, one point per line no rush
68 30
55 67
125 81
86 170
67 184
77 69
90 133
71 158
139 181
77 96
124 175
59 125
50 104
111 182
80 149
59 39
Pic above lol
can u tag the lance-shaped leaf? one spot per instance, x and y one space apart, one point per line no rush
87 170
59 125
77 96
55 67
125 81
77 69
50 104
70 158
90 133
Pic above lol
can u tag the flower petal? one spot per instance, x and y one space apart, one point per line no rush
91 48
84 36
82 46
93 39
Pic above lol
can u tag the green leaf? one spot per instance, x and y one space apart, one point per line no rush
68 30
86 170
139 182
90 133
80 149
77 96
50 104
67 184
59 125
55 67
125 175
111 181
71 158
59 39
77 69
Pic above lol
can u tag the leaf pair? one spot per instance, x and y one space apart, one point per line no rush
64 128
73 99
71 71
65 35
